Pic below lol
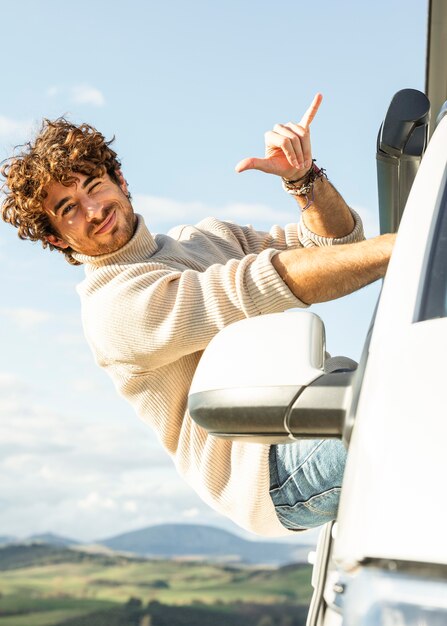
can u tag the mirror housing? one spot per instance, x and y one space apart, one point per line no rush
401 144
263 379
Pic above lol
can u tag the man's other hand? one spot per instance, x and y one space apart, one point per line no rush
287 148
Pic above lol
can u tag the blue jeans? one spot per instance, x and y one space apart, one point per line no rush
305 481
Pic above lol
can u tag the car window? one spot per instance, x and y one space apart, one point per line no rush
434 294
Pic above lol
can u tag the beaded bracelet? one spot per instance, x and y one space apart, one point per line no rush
304 186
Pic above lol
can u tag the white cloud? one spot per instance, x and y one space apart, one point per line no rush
26 318
191 513
53 91
86 94
131 506
9 381
94 479
86 385
95 501
78 94
70 339
159 211
12 129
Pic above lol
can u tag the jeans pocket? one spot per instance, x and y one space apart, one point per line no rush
318 510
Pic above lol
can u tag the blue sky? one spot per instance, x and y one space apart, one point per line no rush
188 89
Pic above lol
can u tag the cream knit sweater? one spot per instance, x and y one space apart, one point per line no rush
150 309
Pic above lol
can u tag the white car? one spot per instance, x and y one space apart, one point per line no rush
384 562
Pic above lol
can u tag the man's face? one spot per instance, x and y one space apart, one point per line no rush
93 216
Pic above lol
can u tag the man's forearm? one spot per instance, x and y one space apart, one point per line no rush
328 215
321 274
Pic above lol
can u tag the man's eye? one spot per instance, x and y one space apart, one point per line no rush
95 187
67 209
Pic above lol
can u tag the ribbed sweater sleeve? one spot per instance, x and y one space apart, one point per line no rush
309 239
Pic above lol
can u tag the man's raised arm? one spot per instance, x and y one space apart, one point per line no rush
288 154
318 274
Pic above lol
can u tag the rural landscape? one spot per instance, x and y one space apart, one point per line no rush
52 581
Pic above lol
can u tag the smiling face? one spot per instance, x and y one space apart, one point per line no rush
92 216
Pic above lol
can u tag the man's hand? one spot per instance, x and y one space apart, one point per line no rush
287 148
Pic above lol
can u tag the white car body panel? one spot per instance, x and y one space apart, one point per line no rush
393 503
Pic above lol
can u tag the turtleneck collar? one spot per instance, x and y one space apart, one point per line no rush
139 248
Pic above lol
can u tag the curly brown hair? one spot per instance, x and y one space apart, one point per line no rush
59 150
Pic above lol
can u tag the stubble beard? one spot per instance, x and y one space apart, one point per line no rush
122 232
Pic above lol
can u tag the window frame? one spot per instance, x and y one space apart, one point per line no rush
432 300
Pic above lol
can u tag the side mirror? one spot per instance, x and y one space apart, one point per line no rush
263 379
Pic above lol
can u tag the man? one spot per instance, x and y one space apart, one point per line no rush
151 304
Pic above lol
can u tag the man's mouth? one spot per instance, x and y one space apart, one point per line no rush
107 224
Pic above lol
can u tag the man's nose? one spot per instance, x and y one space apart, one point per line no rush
92 209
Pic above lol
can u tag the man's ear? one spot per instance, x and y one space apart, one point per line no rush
55 241
122 182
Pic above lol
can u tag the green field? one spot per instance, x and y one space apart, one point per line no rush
40 594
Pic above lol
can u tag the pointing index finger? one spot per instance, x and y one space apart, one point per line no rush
311 112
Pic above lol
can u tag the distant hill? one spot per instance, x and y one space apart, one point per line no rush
52 540
47 538
166 541
207 542
20 555
4 539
